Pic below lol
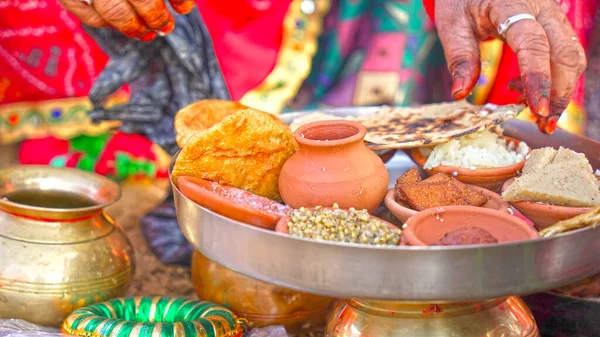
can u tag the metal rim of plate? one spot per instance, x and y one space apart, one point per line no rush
433 274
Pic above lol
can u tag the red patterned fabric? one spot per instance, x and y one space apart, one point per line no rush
44 53
246 39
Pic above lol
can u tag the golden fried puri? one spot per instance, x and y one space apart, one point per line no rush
202 115
245 150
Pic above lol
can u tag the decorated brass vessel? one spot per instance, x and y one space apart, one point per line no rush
507 317
58 250
262 304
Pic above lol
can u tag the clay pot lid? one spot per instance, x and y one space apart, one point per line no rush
330 133
420 160
282 224
429 226
232 202
403 213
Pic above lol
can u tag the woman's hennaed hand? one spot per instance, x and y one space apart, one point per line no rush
140 19
550 56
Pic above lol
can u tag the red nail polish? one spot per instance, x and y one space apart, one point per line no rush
148 37
543 108
551 125
167 29
457 86
185 7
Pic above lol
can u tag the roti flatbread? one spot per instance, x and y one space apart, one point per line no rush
427 125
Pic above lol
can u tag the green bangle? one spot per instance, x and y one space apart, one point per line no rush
153 317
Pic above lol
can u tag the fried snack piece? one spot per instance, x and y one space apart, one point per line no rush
245 150
591 218
424 195
474 198
411 176
470 235
202 115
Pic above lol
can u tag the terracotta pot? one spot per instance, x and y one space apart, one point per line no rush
490 178
402 213
333 165
544 215
429 226
248 208
262 304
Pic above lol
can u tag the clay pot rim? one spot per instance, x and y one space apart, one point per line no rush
282 228
532 233
390 202
418 158
358 136
545 208
234 205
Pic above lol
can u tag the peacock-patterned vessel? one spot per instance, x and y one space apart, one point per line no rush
153 317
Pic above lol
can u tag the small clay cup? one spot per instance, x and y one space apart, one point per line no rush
429 226
543 215
202 192
282 225
489 178
333 165
402 213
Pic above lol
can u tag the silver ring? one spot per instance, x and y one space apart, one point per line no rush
503 27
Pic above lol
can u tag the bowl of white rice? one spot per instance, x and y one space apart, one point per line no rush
484 159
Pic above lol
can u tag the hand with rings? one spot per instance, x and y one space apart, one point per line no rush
141 19
550 57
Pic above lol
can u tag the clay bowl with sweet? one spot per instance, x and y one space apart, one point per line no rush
544 215
282 224
233 203
489 178
465 225
404 212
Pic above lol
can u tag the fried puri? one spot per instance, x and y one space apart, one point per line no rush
202 115
246 150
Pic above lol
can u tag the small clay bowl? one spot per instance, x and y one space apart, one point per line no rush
402 213
429 226
489 178
249 208
543 215
282 225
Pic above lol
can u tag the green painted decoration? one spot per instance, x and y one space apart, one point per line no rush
153 317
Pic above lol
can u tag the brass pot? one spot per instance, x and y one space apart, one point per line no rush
508 317
262 304
58 250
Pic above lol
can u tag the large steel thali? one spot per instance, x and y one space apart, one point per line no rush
400 273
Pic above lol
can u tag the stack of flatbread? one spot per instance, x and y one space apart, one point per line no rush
403 128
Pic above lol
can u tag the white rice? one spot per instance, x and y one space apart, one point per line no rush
479 150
